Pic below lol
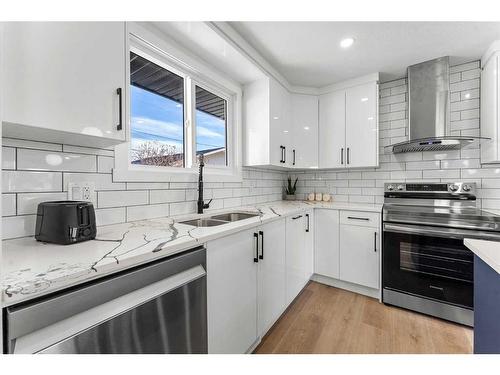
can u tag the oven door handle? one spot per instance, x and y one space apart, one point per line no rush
441 232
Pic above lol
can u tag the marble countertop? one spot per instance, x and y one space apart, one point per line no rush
32 269
488 251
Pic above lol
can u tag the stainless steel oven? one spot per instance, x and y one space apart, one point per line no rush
425 265
160 307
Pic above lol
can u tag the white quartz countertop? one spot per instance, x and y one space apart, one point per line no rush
32 269
488 251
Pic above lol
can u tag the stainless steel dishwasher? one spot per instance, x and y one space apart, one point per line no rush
160 307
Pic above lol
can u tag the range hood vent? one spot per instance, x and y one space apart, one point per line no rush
428 108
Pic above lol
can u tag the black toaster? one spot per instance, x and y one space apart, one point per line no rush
65 222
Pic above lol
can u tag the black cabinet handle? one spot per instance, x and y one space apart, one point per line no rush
256 258
375 242
120 119
307 229
293 157
348 155
358 218
284 154
342 156
261 256
296 217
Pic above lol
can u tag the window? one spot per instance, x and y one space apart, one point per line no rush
211 123
156 114
163 102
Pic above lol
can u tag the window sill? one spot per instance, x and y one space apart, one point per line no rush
181 175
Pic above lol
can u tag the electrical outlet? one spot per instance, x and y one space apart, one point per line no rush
84 191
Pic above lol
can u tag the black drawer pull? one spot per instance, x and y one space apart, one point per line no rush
375 242
120 120
307 229
296 217
256 258
358 218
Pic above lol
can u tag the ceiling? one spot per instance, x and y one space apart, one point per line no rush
309 54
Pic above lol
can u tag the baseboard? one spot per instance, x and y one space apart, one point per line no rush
360 289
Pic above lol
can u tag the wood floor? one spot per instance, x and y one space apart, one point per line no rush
325 319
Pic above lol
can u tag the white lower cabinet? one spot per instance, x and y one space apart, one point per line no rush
298 255
232 293
359 255
326 251
347 246
271 274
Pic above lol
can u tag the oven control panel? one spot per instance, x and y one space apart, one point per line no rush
463 188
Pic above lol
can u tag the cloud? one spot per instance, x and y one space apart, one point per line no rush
205 132
157 128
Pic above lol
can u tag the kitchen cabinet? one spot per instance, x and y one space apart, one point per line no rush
304 110
298 256
232 292
490 100
63 81
271 274
359 248
348 127
332 130
267 134
327 249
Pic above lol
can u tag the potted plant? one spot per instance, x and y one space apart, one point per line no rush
291 189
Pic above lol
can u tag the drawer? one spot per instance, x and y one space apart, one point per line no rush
364 219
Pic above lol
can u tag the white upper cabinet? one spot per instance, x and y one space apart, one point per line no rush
266 108
348 127
60 81
304 111
362 126
490 100
332 130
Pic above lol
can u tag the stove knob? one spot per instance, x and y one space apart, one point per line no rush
401 187
466 188
453 187
390 187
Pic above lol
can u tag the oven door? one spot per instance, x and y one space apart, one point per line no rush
430 262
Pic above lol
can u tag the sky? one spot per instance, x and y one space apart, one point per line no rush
154 117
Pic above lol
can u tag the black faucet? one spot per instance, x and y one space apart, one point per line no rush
201 202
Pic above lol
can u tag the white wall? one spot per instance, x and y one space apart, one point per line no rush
366 185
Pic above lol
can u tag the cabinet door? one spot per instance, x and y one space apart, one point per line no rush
232 293
332 130
279 131
64 76
304 110
295 256
359 255
272 279
362 126
326 251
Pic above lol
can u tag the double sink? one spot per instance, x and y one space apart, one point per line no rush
220 219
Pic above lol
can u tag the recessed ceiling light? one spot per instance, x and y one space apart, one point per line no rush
275 118
346 42
285 131
306 127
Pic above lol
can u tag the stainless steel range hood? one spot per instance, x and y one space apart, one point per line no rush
428 107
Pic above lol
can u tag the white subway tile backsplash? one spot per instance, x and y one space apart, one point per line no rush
31 144
105 164
122 198
8 204
8 158
442 173
27 203
107 216
54 161
18 226
147 212
182 208
101 181
88 150
167 196
23 181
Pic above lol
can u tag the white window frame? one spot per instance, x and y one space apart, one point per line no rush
160 51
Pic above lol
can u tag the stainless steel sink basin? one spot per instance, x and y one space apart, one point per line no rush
234 216
203 222
220 219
